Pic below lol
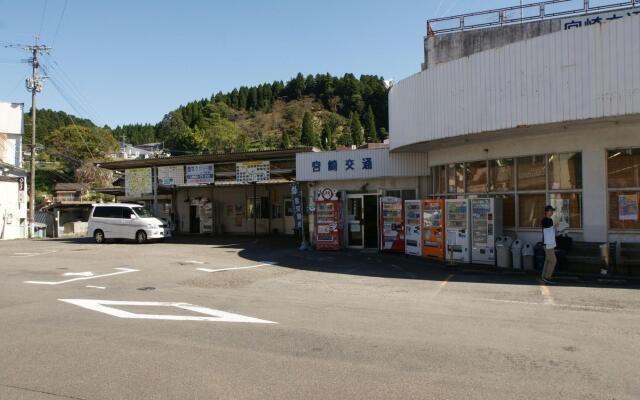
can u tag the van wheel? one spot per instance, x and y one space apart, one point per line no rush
141 237
98 236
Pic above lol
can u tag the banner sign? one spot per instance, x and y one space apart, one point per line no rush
137 181
171 175
296 195
253 171
200 174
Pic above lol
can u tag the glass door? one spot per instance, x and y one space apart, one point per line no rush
355 226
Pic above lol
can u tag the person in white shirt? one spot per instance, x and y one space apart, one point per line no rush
549 240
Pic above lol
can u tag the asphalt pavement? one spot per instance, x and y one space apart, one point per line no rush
237 319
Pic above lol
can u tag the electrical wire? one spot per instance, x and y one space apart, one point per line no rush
55 35
44 12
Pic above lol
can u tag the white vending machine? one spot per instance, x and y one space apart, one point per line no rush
458 237
486 226
413 227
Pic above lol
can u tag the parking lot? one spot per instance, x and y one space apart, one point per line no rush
236 319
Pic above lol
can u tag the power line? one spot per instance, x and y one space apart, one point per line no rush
55 36
44 12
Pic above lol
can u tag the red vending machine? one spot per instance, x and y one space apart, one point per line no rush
328 228
391 224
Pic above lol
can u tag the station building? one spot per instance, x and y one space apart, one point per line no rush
213 194
544 110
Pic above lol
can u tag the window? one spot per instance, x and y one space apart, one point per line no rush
404 194
531 173
108 212
502 174
476 177
455 178
568 209
531 210
525 184
142 212
565 171
259 207
439 179
623 168
288 208
127 213
623 173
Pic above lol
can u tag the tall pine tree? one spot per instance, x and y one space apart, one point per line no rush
308 136
370 126
355 127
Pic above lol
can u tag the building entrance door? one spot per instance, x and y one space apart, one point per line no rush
194 221
289 222
362 221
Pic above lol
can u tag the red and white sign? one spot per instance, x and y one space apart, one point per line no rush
327 194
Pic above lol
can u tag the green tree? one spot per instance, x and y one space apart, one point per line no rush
308 136
76 144
285 142
355 128
370 126
176 134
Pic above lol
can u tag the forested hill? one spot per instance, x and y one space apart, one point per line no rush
321 110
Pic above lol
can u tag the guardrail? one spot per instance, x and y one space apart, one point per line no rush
519 13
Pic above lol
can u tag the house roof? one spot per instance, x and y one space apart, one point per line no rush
204 158
70 187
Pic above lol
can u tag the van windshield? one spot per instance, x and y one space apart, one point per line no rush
142 212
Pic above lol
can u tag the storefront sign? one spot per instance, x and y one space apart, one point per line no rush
296 196
253 171
597 19
200 174
327 194
137 181
171 175
628 207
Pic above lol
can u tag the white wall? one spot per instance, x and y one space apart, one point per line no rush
13 214
577 74
591 139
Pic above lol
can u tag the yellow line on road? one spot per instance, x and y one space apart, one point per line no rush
546 294
443 284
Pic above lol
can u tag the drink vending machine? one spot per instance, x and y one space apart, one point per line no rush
413 227
391 224
457 230
433 241
486 226
328 227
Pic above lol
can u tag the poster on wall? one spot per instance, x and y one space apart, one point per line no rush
253 171
628 207
171 175
199 174
137 181
562 212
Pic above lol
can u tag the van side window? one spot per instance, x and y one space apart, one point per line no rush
126 212
100 212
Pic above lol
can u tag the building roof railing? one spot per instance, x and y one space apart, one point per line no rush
520 13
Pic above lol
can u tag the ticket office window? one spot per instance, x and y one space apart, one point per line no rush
623 181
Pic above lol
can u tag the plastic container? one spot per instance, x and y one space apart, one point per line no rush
528 260
503 252
516 254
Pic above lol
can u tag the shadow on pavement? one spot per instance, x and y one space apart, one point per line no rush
283 250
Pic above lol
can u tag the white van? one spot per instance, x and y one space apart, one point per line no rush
125 221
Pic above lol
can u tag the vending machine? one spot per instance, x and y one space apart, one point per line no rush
486 226
391 224
413 227
433 240
327 220
458 237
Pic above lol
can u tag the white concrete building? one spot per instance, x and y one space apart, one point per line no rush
13 179
544 112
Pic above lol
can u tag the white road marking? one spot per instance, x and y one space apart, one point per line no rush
236 268
96 287
88 273
21 255
569 306
121 271
193 262
211 314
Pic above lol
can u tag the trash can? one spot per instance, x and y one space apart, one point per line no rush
528 257
503 252
516 254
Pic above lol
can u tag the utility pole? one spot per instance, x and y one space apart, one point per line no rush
34 85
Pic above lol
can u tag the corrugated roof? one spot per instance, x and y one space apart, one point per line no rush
204 158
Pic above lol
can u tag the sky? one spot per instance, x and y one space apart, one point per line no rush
132 61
